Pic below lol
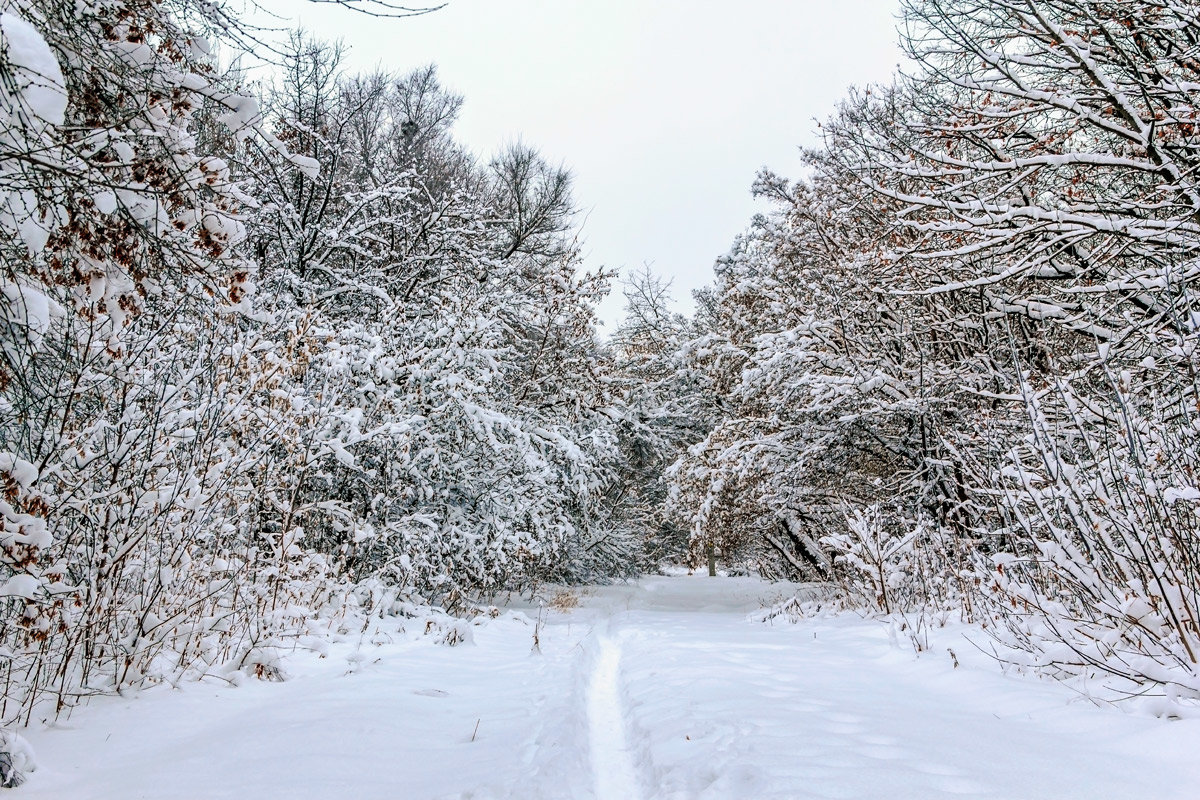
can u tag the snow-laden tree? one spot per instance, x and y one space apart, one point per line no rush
260 358
666 406
836 394
1051 169
458 435
975 322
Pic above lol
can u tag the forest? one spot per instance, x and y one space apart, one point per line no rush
280 353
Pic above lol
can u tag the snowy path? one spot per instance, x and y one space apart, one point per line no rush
661 690
612 768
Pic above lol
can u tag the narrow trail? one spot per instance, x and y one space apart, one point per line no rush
612 767
660 689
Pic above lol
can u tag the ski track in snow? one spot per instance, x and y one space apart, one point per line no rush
612 768
660 689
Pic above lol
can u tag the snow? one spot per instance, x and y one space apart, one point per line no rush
33 99
17 759
309 166
20 470
1175 494
36 91
662 688
612 767
28 308
20 585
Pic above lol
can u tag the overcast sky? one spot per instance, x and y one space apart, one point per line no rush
662 109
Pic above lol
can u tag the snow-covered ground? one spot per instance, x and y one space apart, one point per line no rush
653 690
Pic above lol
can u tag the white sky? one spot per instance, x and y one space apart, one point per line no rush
662 109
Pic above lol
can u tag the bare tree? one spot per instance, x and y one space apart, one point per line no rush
534 201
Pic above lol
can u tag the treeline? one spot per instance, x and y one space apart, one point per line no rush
955 368
273 353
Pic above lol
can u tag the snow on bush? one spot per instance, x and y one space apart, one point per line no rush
230 425
33 100
16 759
978 312
1105 582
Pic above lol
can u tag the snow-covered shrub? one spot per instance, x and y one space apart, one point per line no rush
877 557
253 355
978 311
16 759
892 564
119 344
1105 577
